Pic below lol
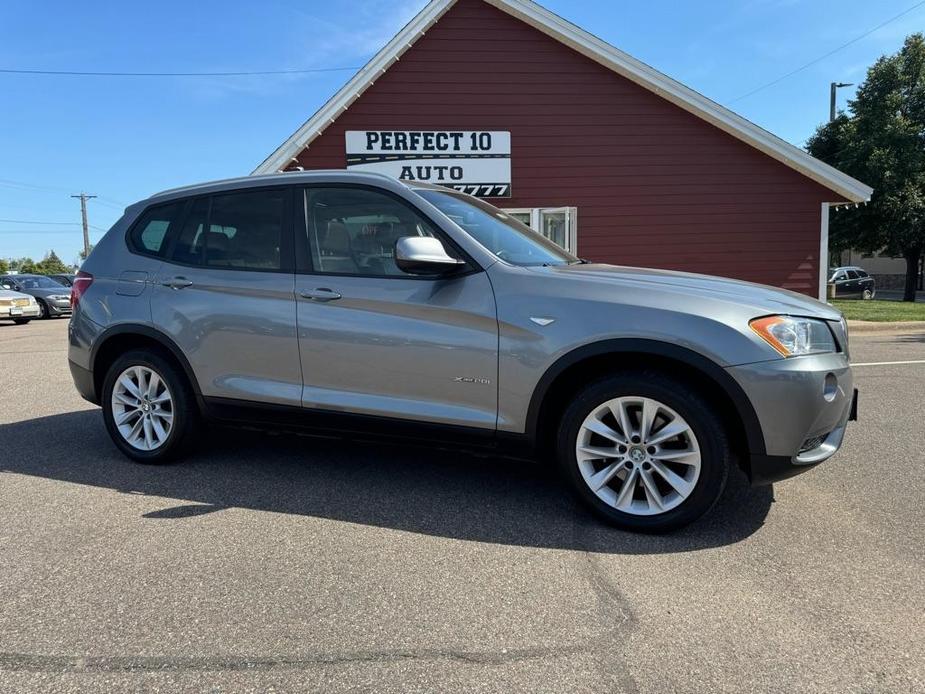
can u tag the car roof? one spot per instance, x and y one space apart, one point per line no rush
287 178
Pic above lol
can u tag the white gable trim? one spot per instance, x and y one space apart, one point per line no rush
601 52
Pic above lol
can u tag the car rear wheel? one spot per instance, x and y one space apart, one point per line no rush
644 451
148 407
43 308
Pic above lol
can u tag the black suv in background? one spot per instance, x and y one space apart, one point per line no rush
852 281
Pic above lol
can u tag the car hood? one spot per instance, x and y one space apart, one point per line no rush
10 294
695 290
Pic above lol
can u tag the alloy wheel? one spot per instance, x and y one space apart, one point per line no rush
142 408
638 455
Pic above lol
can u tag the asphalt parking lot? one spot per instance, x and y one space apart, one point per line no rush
277 563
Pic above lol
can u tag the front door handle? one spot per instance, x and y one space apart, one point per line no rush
177 283
321 294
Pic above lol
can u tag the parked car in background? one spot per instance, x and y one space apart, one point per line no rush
67 279
852 281
54 299
17 307
340 301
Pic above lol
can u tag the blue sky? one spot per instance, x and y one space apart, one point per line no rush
123 138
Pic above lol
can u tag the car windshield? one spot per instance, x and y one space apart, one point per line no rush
39 283
498 232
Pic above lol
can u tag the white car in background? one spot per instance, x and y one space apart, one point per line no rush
17 307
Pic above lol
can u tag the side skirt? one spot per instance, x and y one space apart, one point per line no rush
360 427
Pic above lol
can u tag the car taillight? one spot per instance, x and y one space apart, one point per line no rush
82 282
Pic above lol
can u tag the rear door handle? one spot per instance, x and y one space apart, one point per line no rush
177 282
320 294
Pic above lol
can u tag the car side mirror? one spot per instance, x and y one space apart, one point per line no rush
424 255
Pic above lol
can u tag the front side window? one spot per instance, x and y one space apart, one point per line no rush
497 231
352 231
852 275
149 234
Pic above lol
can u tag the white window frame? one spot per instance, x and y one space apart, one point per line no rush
536 216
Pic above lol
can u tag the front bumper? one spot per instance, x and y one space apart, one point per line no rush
58 308
803 405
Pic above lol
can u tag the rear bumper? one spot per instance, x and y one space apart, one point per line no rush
83 381
25 312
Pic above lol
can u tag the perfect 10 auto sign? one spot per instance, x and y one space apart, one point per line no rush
476 162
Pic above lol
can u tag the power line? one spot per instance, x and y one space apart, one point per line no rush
20 184
246 73
832 52
112 204
33 232
30 221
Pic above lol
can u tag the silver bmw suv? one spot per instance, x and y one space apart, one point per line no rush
345 302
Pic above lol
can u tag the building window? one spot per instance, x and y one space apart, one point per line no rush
558 224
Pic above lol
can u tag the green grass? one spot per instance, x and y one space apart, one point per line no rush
880 310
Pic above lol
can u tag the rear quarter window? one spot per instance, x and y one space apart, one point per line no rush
150 233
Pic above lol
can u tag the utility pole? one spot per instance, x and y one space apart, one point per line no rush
835 86
83 214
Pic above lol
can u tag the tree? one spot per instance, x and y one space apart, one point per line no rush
51 264
82 254
881 141
24 265
4 266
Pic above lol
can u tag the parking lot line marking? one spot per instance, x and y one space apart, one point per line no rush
890 363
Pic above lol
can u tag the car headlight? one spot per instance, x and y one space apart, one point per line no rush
793 337
58 297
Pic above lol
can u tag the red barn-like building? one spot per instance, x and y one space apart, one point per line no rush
602 153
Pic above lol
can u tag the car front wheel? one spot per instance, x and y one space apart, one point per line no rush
644 451
148 407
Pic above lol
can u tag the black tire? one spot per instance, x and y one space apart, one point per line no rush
684 400
185 410
43 309
21 321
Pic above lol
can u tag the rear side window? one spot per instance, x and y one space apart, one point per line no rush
236 231
150 232
189 246
246 230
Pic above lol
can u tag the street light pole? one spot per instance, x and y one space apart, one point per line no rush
833 87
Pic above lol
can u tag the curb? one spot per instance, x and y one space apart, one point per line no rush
869 326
